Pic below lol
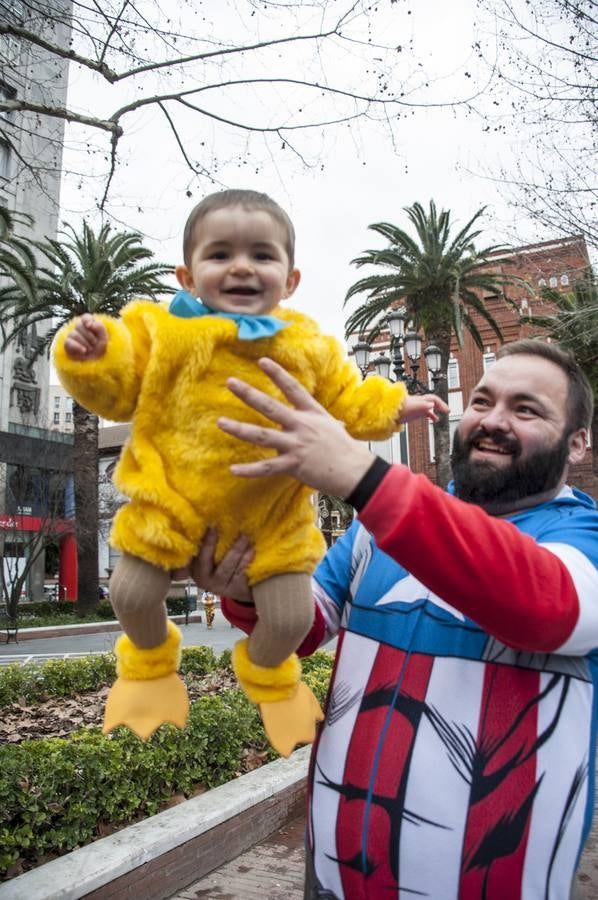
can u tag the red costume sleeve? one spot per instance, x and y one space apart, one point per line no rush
244 617
481 565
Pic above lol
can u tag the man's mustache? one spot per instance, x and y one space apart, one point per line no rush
499 438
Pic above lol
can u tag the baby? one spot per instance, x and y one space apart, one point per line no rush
165 369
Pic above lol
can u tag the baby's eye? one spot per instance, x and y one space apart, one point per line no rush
262 255
218 254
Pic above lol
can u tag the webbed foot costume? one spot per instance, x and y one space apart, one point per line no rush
288 708
147 692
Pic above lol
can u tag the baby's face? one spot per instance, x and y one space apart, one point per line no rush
239 262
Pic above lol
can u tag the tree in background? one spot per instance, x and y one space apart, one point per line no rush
574 324
17 262
438 279
84 272
230 81
546 57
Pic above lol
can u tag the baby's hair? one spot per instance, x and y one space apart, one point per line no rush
249 200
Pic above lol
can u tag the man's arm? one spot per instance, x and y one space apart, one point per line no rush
517 590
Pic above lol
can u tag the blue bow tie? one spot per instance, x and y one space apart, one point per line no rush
185 306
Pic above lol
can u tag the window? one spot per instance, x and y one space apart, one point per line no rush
395 449
488 360
56 418
541 282
453 374
68 418
564 280
56 402
4 160
553 281
13 9
9 47
6 93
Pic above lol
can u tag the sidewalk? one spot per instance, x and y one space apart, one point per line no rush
272 870
220 637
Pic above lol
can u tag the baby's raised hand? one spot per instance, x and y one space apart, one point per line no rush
420 406
87 340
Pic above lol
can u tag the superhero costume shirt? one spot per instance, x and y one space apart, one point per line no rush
457 756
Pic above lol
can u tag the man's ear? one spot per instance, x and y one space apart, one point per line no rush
577 446
294 277
185 279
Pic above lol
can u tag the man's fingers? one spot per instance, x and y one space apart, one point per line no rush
295 393
254 434
268 406
275 465
205 557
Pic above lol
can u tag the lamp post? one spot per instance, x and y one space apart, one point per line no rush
411 343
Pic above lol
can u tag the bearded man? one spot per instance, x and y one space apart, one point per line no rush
457 755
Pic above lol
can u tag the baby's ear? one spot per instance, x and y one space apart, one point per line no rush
293 279
185 279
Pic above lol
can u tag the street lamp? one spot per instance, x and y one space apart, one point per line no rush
400 340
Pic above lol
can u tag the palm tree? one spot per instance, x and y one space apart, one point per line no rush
438 280
17 261
574 324
83 273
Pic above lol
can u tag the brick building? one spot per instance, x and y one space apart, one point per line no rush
553 263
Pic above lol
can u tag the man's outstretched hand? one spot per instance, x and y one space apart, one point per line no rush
312 445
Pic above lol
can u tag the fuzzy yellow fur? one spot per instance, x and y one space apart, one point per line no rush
169 375
136 664
265 684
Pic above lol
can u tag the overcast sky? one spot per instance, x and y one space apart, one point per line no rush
362 178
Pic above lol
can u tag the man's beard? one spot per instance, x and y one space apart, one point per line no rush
481 482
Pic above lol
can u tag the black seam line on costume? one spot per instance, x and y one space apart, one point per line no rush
360 495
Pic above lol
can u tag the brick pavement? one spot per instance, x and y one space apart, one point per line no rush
272 870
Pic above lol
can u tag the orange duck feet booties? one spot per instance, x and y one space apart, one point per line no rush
288 708
147 692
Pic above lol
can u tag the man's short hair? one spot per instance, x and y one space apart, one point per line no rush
581 397
249 200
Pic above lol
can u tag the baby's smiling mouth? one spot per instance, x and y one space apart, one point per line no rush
244 290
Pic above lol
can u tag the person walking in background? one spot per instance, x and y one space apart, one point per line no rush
209 605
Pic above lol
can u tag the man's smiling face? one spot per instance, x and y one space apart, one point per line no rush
513 439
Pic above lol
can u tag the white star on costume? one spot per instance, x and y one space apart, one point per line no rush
410 590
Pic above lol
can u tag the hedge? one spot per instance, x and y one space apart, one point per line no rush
56 793
49 609
65 677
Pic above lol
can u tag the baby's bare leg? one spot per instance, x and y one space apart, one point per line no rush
285 610
137 592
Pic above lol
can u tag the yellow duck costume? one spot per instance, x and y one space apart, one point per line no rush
167 375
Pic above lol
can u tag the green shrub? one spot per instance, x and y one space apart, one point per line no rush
58 793
55 794
47 608
55 678
64 677
199 660
225 660
176 606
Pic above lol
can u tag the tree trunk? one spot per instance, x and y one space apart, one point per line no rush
442 435
86 477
